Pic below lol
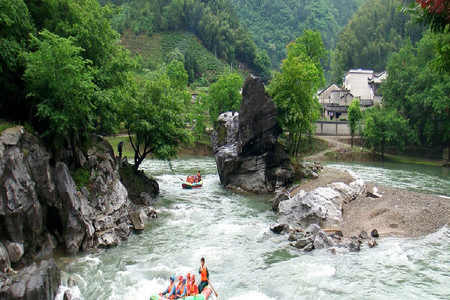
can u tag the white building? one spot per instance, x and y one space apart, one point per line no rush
364 85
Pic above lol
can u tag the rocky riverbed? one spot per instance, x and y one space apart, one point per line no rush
351 210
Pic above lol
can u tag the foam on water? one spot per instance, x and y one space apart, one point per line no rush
252 295
245 259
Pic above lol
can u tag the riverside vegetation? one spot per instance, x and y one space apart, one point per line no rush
67 78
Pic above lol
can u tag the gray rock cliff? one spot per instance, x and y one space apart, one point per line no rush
41 206
247 153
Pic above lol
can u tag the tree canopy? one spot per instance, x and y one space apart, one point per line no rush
375 31
155 114
275 23
60 85
224 95
294 88
385 127
354 117
419 92
213 21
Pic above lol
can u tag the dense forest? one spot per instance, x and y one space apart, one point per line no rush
275 23
378 29
213 21
65 73
65 76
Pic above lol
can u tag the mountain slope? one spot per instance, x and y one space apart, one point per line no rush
164 46
377 30
274 23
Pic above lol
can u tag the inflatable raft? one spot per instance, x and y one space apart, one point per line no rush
188 185
203 296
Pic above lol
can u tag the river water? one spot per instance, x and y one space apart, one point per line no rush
245 259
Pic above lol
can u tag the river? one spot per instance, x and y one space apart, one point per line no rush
245 259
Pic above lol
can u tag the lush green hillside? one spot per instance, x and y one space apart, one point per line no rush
377 30
213 21
274 23
202 66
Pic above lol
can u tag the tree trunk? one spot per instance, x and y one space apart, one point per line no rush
352 141
74 146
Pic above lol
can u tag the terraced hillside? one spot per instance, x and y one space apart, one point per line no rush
157 49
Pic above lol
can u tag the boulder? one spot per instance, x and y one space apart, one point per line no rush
74 211
15 251
309 247
258 124
372 243
246 150
354 246
279 228
322 206
20 209
5 262
34 282
322 240
363 235
374 233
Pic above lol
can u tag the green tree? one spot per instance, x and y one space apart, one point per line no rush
384 127
431 12
15 24
177 75
435 13
274 23
375 31
60 85
419 92
294 88
354 117
224 95
154 116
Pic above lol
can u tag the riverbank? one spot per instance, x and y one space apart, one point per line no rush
339 149
398 212
199 149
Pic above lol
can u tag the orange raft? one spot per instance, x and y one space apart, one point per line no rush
192 185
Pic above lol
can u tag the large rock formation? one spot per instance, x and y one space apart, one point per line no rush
33 282
247 153
322 205
41 205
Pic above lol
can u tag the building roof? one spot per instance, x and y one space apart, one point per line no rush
378 78
327 88
358 71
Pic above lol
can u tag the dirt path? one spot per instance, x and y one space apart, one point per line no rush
334 145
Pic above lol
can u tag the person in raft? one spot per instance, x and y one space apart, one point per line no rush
193 288
204 275
188 283
170 292
181 288
199 176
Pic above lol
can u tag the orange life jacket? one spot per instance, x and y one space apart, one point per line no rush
180 289
193 289
204 274
170 289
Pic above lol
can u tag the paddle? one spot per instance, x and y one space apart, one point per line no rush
217 295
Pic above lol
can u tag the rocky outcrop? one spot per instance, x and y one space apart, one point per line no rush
304 214
322 205
41 205
33 282
247 153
